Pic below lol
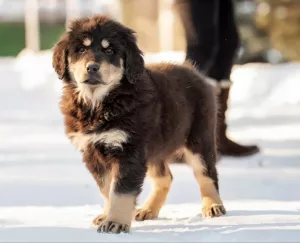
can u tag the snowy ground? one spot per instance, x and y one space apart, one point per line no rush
48 195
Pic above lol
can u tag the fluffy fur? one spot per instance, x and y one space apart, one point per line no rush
128 119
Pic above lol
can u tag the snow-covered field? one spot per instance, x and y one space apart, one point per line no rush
47 195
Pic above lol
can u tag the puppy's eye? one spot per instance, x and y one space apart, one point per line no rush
81 50
109 50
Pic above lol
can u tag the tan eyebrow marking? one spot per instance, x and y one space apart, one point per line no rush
105 43
87 41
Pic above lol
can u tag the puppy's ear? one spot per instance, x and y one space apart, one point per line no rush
59 58
134 61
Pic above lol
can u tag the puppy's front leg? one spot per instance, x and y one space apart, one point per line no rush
128 178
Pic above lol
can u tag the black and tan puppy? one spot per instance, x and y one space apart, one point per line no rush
129 120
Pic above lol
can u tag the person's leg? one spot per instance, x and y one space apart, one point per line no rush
221 70
200 22
212 41
229 42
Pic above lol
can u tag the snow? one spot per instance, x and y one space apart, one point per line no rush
47 195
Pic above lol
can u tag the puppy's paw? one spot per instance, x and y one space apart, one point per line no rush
99 219
144 214
214 210
113 227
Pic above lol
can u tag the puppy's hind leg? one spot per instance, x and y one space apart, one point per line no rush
200 153
207 179
161 177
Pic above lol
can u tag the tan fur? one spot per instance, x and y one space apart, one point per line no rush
161 187
110 74
210 195
152 87
78 71
94 95
105 43
105 189
87 42
79 75
104 184
121 208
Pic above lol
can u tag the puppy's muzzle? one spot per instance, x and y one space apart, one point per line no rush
93 68
93 74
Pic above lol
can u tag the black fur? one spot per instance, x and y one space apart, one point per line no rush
163 108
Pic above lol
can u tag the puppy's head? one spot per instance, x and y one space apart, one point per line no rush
97 52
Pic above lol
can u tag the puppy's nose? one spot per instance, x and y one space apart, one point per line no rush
93 68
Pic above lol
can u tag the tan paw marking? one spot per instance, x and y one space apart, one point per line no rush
214 210
113 227
99 219
144 214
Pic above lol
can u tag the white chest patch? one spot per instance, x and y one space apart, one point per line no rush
79 139
110 138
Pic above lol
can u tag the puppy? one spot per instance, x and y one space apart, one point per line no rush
129 120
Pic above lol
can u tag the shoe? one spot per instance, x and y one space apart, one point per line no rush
225 145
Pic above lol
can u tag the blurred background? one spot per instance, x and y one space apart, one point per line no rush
270 29
47 195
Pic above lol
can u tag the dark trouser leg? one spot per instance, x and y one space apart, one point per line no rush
200 22
229 42
221 70
212 42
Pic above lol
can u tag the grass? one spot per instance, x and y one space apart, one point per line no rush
12 37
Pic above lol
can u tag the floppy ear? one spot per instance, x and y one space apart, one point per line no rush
134 61
59 58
